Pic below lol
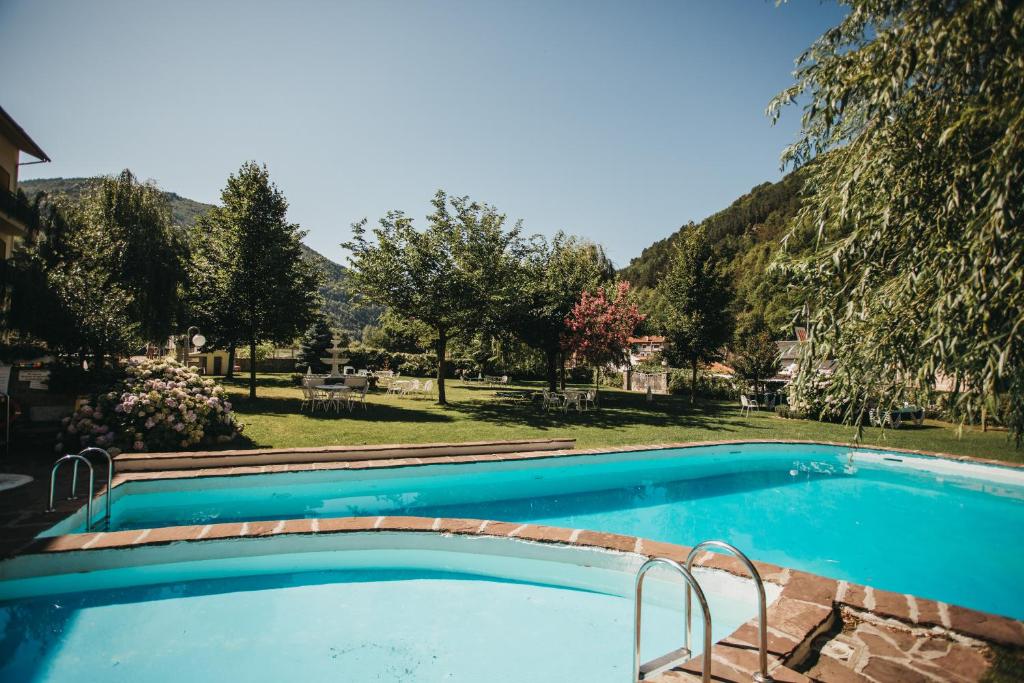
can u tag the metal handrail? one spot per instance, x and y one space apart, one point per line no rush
665 662
110 474
92 482
762 675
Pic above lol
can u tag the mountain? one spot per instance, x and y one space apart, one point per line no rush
338 305
747 236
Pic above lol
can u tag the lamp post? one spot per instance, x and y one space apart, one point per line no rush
197 340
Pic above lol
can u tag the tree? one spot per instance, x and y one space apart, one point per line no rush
598 327
556 275
696 297
912 113
756 356
255 285
103 274
453 277
314 345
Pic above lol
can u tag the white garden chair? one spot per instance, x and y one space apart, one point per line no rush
411 387
573 398
357 395
308 398
748 404
589 399
550 399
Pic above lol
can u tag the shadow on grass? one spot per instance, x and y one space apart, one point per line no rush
374 412
263 381
618 411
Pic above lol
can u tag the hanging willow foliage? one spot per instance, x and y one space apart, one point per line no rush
913 113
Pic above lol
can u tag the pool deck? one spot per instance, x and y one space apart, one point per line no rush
819 629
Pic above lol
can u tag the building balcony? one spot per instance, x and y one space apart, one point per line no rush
16 213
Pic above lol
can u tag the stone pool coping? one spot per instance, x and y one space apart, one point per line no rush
186 460
410 461
807 606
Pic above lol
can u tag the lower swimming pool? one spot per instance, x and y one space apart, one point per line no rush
352 607
935 528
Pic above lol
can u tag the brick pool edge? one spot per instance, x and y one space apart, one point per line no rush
806 607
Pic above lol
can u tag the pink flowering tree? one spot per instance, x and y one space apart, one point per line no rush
599 327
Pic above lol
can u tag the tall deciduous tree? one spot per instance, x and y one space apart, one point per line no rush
556 275
696 300
452 277
254 286
599 326
913 113
104 274
756 355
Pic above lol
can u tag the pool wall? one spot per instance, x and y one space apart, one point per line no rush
806 604
990 476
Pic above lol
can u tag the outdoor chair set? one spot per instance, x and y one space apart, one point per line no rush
895 418
752 402
488 380
320 396
581 399
411 387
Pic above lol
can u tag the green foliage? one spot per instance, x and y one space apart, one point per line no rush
102 275
556 274
746 235
697 298
456 277
755 355
345 311
913 112
315 342
251 283
706 386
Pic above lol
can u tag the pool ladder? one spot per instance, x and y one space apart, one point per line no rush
76 459
669 660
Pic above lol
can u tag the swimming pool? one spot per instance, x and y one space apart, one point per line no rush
396 607
935 528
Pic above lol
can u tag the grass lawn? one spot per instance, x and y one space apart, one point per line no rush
274 420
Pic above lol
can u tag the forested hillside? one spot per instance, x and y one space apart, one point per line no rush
747 234
338 306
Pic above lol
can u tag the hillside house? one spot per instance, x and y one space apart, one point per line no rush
642 349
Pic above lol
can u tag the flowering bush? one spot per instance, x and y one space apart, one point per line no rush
158 405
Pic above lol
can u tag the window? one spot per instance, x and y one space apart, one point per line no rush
5 179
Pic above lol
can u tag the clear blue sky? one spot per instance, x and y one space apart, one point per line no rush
615 121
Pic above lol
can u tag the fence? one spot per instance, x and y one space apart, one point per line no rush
640 381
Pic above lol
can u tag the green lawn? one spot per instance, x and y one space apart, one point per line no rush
274 420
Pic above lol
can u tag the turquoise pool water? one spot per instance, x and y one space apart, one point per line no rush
368 620
934 528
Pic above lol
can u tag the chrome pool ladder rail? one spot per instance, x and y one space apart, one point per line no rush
94 450
762 675
81 457
676 657
92 482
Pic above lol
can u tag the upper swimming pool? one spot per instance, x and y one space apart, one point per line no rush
935 528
